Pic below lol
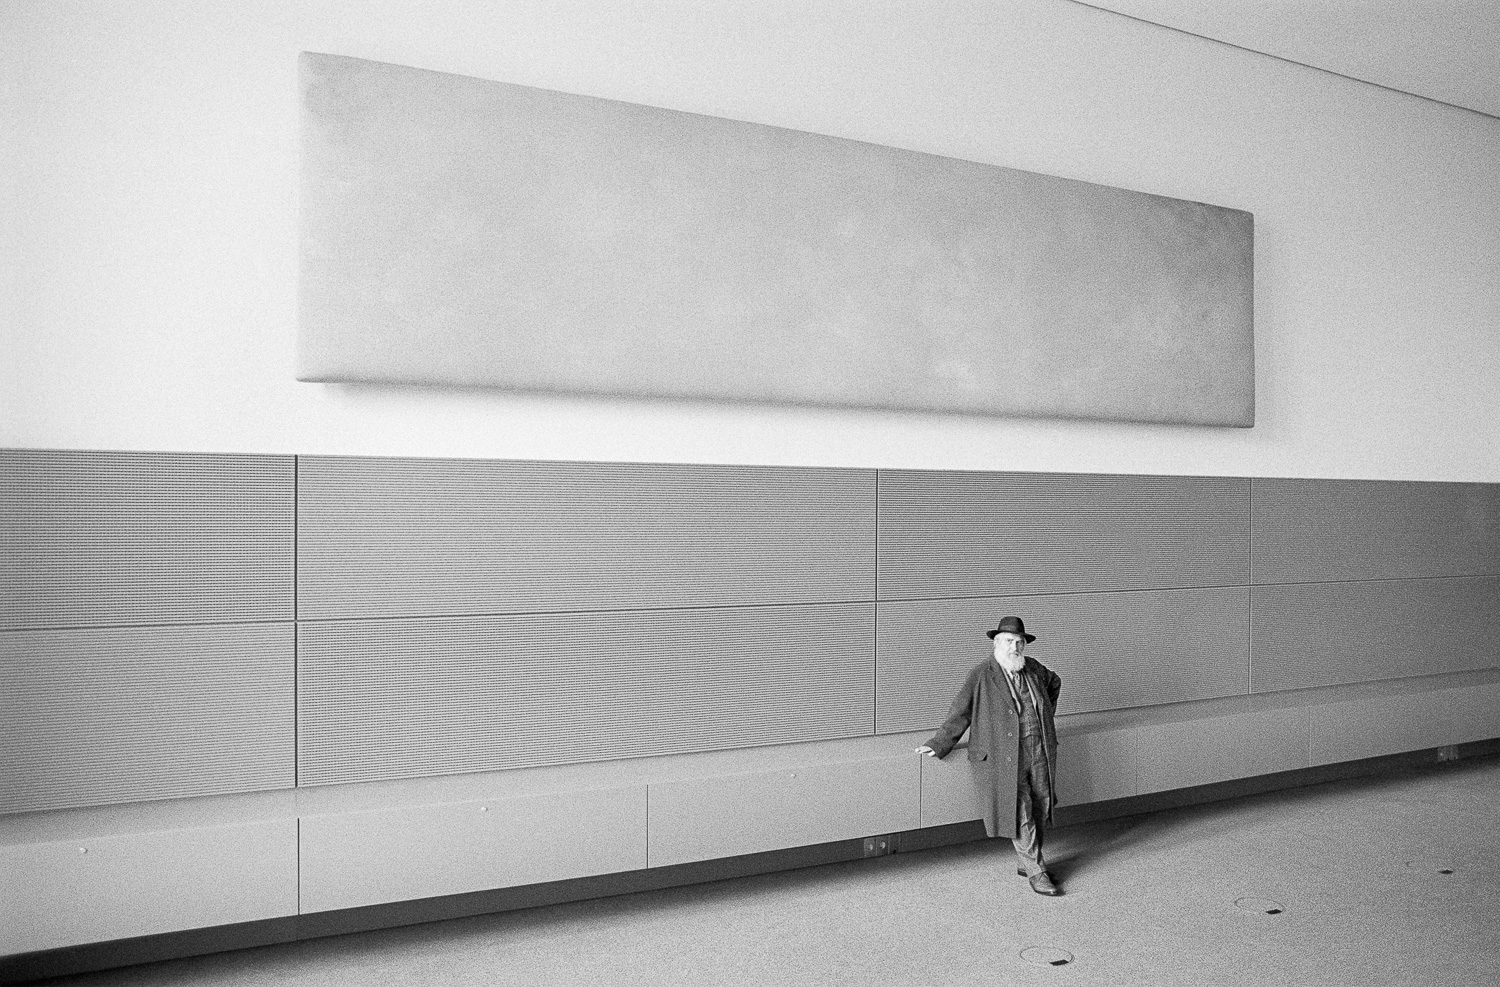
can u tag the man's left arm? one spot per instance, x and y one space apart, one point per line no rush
1054 687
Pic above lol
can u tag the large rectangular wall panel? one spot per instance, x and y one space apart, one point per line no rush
1113 650
704 818
406 698
1328 530
366 858
1220 748
1313 634
952 534
95 889
396 537
1391 724
111 538
1098 765
460 231
129 714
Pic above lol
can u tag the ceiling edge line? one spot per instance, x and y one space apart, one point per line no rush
1283 58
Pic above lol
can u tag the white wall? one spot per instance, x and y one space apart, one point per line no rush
149 234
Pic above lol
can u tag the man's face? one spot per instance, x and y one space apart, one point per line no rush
1010 651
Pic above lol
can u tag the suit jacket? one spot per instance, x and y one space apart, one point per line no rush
983 707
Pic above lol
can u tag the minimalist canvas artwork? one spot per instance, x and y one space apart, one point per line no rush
464 232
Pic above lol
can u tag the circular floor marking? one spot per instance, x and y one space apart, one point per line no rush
1264 906
1046 956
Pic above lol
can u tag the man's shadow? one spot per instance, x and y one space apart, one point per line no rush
1077 849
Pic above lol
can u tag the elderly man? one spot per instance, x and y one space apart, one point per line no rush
1007 705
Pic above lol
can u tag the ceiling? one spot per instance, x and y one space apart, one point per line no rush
1447 50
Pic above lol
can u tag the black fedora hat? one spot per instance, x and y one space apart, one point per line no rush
1011 625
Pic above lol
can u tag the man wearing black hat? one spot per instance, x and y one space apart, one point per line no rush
1007 705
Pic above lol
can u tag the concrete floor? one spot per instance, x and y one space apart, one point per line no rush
1356 867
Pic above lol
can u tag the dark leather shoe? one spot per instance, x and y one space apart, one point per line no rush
1042 884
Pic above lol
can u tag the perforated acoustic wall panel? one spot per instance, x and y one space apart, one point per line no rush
115 538
1113 650
1313 634
108 715
403 537
1327 530
950 534
406 698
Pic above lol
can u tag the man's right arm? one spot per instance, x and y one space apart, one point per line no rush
954 726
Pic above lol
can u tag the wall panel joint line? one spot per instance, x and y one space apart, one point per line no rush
296 658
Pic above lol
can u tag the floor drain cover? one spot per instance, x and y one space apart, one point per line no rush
1265 906
1046 956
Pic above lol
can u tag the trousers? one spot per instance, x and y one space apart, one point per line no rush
1031 788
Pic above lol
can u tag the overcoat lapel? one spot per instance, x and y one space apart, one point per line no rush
995 730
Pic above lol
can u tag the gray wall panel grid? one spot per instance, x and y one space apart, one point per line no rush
1113 650
405 537
1332 530
118 538
95 716
399 698
1313 634
951 534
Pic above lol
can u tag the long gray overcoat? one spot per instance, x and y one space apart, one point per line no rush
983 707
